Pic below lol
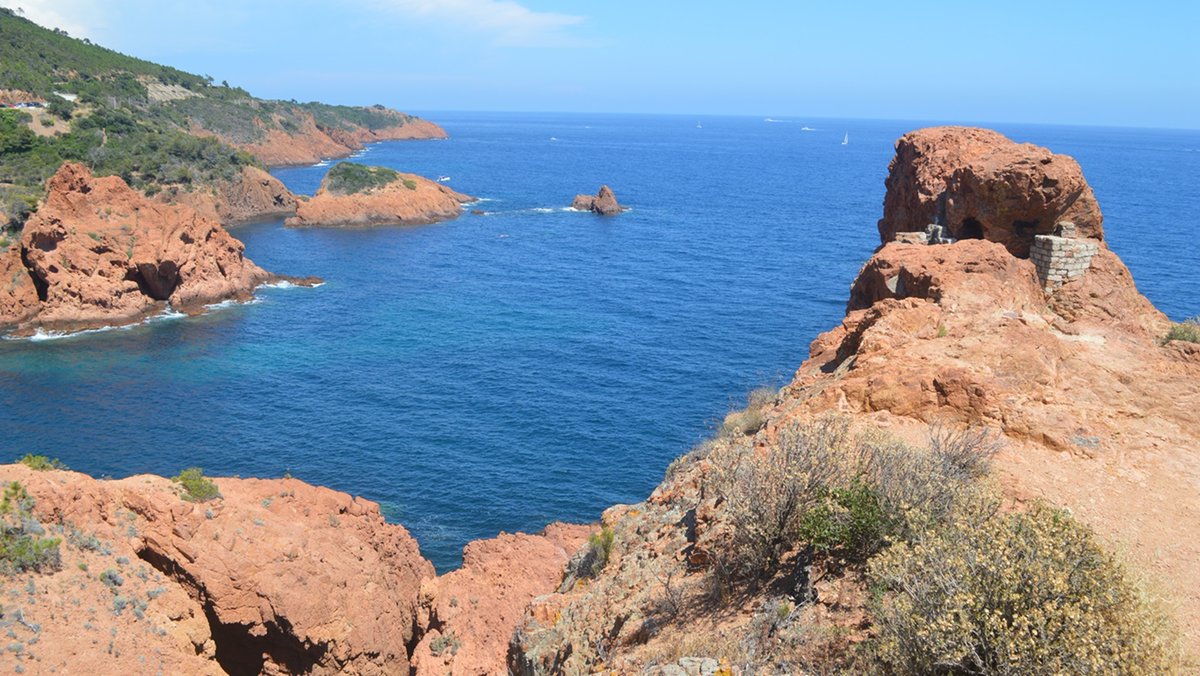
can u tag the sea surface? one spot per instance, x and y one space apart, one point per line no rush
533 363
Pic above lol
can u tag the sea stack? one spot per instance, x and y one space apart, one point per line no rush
358 195
603 202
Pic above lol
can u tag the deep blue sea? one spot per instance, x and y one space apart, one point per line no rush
534 364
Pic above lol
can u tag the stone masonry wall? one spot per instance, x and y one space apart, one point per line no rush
1060 257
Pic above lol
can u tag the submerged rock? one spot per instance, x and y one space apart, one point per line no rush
603 202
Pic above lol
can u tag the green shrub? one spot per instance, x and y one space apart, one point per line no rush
348 178
196 487
600 547
41 463
850 520
1019 593
820 484
22 545
445 643
410 184
1188 330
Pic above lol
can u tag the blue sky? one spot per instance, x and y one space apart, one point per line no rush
1102 63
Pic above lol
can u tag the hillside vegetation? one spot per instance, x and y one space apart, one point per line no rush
157 127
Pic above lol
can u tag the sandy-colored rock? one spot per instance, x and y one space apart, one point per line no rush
980 185
100 253
468 615
274 577
408 200
603 202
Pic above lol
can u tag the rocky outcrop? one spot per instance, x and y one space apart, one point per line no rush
308 142
468 615
1096 414
603 202
99 253
980 185
407 200
276 576
253 195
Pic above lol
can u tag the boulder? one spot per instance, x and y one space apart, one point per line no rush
603 202
980 185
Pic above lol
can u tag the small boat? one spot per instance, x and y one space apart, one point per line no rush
443 179
698 126
846 139
807 129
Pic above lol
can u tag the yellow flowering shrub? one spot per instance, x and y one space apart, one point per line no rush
1020 593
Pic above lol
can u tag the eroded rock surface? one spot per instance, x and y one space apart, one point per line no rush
253 195
980 185
97 252
603 202
408 200
274 577
468 615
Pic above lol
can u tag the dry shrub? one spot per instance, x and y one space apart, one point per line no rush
824 485
750 419
1019 593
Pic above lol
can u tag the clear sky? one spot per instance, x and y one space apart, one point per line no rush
1100 62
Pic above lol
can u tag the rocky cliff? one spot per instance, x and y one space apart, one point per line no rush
99 253
789 543
304 141
252 195
1093 412
384 197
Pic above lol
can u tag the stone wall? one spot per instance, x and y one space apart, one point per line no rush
1061 257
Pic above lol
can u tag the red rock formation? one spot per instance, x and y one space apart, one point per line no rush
468 615
275 577
253 195
603 202
308 142
1097 415
396 203
980 185
98 252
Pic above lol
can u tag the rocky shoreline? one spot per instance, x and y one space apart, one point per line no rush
950 323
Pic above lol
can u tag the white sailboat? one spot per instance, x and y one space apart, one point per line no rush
846 139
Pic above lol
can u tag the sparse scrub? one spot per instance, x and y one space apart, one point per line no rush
22 545
1188 330
600 546
410 184
196 487
1020 593
843 493
445 643
41 463
750 419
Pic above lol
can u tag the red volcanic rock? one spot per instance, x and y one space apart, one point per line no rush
253 195
276 576
603 202
407 200
18 296
99 252
981 185
309 142
469 614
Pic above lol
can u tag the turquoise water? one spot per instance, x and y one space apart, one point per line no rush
533 364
